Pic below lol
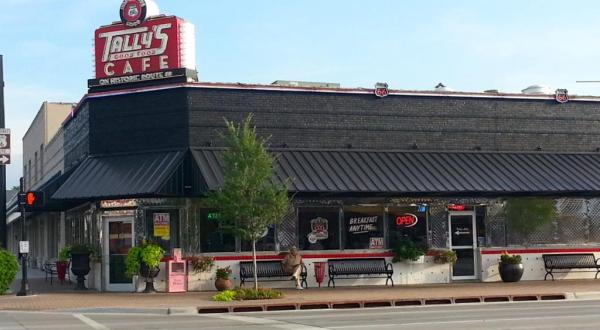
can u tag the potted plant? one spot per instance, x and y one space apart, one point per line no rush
223 282
444 256
145 260
407 250
63 261
510 267
80 262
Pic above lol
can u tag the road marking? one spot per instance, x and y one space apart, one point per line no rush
264 321
90 322
489 320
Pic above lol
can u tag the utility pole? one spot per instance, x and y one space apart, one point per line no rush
3 226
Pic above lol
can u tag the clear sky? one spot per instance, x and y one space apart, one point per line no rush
469 45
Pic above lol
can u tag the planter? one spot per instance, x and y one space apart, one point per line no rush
420 260
149 273
223 284
61 271
510 272
80 266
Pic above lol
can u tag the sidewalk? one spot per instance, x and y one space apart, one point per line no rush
342 297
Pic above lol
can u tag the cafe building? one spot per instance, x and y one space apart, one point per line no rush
367 167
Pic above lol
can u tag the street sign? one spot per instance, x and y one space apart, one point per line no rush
24 247
4 146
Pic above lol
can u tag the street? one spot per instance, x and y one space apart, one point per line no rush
530 315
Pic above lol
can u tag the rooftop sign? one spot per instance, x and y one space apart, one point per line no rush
141 48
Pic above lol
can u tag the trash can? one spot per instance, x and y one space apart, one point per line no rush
320 272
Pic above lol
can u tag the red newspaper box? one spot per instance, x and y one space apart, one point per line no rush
177 273
320 272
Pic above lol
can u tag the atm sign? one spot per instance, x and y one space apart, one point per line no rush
406 220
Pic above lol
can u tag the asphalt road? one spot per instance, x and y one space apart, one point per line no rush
514 316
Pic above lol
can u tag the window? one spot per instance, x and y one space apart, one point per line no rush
213 237
363 227
319 228
163 228
407 223
266 243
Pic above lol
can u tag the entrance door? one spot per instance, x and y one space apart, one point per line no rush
463 242
118 239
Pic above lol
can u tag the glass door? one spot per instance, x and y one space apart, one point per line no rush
463 242
118 239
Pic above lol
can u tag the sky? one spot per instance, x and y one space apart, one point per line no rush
469 45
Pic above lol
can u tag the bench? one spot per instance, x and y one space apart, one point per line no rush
552 262
354 268
272 270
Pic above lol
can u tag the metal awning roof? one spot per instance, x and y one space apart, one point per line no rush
117 176
423 173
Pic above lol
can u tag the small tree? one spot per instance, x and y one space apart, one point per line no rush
526 215
251 199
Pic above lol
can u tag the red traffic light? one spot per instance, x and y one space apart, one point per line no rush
30 199
33 199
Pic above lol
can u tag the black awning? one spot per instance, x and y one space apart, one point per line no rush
424 173
119 176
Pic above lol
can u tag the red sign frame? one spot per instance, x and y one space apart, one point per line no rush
154 45
406 220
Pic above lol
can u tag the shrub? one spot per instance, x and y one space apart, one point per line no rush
94 251
247 294
510 259
149 254
201 264
407 250
444 256
8 270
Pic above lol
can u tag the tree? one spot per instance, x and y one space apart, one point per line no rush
251 199
526 215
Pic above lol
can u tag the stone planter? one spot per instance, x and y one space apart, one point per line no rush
510 272
223 284
80 266
149 273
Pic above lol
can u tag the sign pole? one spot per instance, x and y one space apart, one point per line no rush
24 284
3 226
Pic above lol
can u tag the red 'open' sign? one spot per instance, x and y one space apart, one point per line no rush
406 220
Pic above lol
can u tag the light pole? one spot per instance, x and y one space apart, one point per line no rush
3 226
24 284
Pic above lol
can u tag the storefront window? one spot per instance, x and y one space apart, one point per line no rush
319 228
213 238
266 243
163 228
407 223
363 227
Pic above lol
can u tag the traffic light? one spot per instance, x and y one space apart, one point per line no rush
32 199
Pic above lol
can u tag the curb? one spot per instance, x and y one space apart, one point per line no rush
355 304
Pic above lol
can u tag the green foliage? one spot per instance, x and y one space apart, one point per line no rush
94 251
257 294
227 295
223 273
201 264
134 260
525 215
65 253
407 250
510 258
147 253
247 294
8 270
251 199
444 256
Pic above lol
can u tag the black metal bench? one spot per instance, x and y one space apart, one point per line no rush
49 269
354 268
552 262
272 270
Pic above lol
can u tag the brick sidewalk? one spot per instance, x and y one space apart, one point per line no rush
69 299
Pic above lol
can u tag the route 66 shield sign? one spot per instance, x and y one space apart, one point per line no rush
561 96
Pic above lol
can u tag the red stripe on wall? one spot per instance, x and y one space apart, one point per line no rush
523 251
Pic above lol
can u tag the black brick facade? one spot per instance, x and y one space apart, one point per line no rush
193 117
